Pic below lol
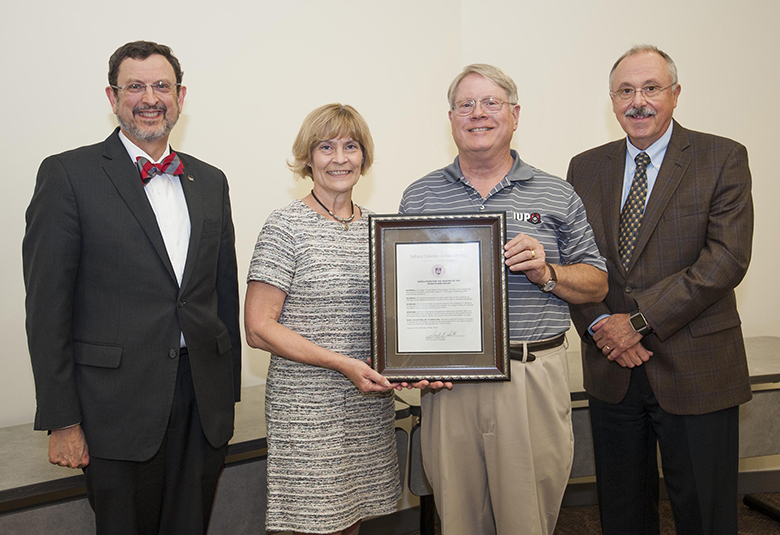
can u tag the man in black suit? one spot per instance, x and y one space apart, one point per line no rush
132 309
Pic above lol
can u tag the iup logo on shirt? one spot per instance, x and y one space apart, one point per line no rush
529 217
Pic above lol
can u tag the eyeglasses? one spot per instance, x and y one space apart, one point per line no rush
649 92
491 105
161 88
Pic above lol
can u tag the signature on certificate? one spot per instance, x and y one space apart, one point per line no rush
441 335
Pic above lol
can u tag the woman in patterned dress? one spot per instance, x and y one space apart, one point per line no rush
331 447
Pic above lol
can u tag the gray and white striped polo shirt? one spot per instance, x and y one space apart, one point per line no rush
536 203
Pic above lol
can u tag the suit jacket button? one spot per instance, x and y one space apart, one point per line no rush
182 303
629 289
173 353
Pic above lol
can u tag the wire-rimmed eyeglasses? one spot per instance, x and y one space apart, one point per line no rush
160 87
649 91
489 104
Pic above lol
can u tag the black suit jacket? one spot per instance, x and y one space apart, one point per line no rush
104 309
692 250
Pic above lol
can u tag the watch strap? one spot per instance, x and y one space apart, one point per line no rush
553 275
549 286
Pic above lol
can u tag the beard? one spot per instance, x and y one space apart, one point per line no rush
134 129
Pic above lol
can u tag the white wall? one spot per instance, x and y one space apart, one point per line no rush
255 69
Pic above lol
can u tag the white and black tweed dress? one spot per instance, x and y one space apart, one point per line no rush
331 450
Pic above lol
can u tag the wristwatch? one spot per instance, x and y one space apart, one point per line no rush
639 323
549 286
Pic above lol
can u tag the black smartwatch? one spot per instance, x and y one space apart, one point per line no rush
639 323
549 286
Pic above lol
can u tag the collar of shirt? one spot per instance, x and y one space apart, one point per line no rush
519 171
656 151
135 151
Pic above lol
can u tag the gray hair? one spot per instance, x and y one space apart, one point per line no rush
671 68
494 74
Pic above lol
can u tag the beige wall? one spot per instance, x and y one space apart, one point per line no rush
255 69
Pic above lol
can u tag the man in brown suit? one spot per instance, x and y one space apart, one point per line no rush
663 356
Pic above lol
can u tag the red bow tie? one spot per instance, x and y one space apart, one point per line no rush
171 165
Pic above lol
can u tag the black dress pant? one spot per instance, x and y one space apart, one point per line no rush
699 456
170 494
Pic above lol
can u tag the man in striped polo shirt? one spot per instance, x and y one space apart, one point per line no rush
498 454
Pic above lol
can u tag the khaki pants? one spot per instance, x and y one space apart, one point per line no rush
498 454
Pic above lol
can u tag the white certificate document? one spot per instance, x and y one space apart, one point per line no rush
439 297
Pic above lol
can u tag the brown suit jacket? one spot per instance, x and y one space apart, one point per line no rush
692 250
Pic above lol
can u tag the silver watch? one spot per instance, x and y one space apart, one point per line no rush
549 286
639 323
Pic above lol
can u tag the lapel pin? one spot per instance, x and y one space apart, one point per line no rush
189 177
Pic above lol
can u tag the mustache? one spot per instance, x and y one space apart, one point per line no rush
644 111
146 107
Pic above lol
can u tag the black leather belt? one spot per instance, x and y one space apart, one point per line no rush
516 352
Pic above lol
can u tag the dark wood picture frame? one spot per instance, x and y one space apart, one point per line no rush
487 232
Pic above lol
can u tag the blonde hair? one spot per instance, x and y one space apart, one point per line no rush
329 122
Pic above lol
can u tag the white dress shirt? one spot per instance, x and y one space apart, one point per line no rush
166 196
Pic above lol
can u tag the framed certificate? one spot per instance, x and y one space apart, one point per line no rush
438 297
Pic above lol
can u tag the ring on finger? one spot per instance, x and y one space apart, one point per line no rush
533 254
607 348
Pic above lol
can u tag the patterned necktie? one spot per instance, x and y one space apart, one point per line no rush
171 165
633 209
